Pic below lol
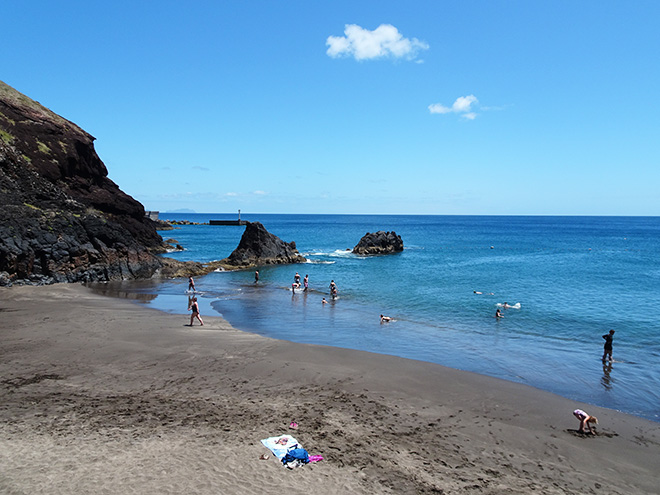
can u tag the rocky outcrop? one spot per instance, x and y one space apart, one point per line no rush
62 219
379 243
260 247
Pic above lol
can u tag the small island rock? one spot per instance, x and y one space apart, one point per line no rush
260 247
379 243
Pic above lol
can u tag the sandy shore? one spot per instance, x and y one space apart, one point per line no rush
102 396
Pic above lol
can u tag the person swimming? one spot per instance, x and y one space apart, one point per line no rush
385 319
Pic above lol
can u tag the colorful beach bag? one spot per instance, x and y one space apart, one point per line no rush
294 455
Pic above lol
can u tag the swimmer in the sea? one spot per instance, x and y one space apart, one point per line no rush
324 301
498 313
385 319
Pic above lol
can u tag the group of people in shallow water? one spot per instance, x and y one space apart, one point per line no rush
334 291
296 283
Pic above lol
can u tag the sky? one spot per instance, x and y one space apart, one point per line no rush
489 107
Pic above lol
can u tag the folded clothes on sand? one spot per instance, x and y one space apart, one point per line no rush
279 446
286 444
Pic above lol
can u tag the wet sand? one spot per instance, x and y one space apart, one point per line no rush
103 396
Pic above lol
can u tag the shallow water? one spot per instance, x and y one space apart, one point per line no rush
574 277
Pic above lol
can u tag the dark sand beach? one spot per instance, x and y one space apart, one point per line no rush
103 396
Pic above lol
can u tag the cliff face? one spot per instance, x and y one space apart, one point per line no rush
62 218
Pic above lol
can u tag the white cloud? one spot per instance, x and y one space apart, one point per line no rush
259 193
462 106
438 108
231 194
384 41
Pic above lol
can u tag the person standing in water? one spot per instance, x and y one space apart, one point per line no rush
256 276
333 289
191 284
296 279
609 337
194 307
306 282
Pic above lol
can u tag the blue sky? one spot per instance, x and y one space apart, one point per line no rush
430 107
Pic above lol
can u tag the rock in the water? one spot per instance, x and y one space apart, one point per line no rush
379 243
260 247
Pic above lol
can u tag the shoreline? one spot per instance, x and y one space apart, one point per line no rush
279 325
100 395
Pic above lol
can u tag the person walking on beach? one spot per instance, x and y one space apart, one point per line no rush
191 284
194 307
256 276
585 420
608 345
306 282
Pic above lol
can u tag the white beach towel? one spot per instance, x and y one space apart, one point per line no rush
279 450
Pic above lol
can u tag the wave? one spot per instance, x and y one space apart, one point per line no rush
337 253
509 306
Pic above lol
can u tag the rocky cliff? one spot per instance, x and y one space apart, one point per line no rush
62 218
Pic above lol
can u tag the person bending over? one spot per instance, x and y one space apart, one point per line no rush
585 420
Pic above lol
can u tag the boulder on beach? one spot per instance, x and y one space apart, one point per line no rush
380 242
260 247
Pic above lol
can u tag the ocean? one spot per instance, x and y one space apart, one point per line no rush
571 280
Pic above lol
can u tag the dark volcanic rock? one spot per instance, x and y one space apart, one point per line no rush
260 247
379 243
62 218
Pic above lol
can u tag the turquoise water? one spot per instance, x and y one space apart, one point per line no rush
574 277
